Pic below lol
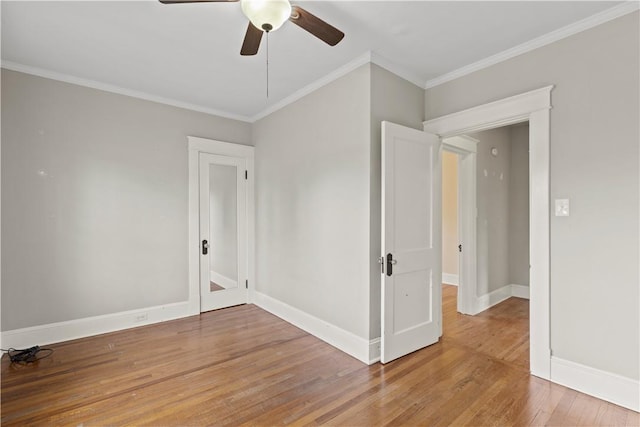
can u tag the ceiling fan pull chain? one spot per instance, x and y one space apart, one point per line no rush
267 64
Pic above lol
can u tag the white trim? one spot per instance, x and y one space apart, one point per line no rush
89 326
366 58
396 69
486 301
604 385
339 338
312 87
466 148
520 291
222 280
559 34
197 145
450 279
507 111
374 351
533 106
67 78
461 144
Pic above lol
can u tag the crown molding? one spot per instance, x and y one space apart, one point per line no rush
559 34
67 78
397 69
312 87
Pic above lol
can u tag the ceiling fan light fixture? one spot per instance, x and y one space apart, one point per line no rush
266 15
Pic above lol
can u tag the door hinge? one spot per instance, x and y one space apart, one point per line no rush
246 284
246 174
381 262
460 248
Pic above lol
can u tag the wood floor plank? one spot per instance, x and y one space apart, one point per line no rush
244 366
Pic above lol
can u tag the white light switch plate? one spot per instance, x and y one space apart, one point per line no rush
562 207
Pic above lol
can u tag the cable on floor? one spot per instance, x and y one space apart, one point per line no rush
28 355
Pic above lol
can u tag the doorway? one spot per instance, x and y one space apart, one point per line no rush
496 266
221 226
533 107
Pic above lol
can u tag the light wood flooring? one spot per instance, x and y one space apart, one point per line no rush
213 286
243 365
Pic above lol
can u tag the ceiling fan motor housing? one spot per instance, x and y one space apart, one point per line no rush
267 15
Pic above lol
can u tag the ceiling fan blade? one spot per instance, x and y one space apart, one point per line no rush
195 1
316 26
251 41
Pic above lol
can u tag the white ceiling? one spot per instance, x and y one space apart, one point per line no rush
189 53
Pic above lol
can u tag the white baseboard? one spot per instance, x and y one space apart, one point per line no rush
222 280
486 301
360 348
374 351
81 328
604 385
450 279
520 291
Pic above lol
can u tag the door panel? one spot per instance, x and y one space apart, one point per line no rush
411 295
223 228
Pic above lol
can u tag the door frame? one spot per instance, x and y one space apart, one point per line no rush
196 146
466 148
534 107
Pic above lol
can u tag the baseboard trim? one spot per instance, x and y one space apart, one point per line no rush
345 341
450 279
374 351
604 385
222 280
96 325
520 291
487 301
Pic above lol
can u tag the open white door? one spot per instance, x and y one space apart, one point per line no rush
411 241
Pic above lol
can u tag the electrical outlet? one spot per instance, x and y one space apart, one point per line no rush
141 317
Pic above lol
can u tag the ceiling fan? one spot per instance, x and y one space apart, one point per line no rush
269 15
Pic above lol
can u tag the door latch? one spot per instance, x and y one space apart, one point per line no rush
390 263
460 248
205 247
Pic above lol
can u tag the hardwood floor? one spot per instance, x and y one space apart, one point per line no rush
244 366
213 286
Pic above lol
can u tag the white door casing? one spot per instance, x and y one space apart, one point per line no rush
533 106
466 148
411 241
196 147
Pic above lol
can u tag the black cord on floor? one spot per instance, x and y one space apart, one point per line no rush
28 355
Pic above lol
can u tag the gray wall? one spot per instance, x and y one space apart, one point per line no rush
400 101
312 204
594 162
503 208
492 178
519 205
94 200
318 184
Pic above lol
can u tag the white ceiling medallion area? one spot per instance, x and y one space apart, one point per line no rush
313 66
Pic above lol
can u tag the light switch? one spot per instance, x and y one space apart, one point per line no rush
562 207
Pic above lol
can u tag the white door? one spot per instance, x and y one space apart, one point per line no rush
411 241
223 231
